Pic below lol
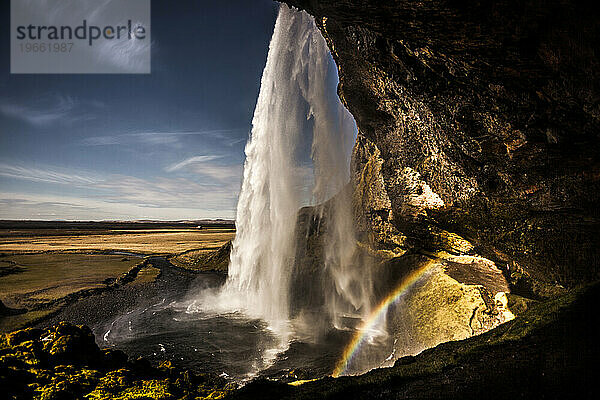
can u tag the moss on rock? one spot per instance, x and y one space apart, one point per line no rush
64 362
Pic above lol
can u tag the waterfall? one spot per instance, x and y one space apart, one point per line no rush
297 98
299 126
271 194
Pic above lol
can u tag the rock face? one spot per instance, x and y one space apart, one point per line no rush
454 297
478 130
548 352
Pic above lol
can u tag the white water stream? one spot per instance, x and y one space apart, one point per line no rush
297 104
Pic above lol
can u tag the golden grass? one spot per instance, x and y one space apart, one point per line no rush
49 276
164 241
147 275
42 266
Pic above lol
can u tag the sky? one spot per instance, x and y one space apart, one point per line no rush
168 145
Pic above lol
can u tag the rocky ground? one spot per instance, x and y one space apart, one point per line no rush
132 290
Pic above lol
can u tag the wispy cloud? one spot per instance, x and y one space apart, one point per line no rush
47 175
49 109
190 161
163 138
230 175
127 55
44 206
101 141
166 192
210 169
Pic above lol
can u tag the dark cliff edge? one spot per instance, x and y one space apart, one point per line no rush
478 119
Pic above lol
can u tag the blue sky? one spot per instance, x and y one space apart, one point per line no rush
169 145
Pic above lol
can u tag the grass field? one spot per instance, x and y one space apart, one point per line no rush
49 276
44 278
40 266
146 241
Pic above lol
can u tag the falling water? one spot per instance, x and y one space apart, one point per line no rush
298 112
297 98
271 194
347 284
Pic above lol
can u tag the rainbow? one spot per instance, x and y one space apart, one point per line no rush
369 324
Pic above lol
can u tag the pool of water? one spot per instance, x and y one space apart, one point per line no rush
229 344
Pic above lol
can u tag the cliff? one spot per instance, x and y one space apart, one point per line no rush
478 130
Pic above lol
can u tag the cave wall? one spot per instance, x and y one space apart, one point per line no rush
478 130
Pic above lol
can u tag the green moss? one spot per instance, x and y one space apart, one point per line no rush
15 338
64 362
65 382
518 304
118 387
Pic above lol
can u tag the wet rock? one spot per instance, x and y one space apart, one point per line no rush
547 352
405 360
478 120
113 358
440 308
68 343
18 337
518 304
109 281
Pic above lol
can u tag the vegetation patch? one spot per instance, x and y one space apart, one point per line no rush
204 259
64 362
